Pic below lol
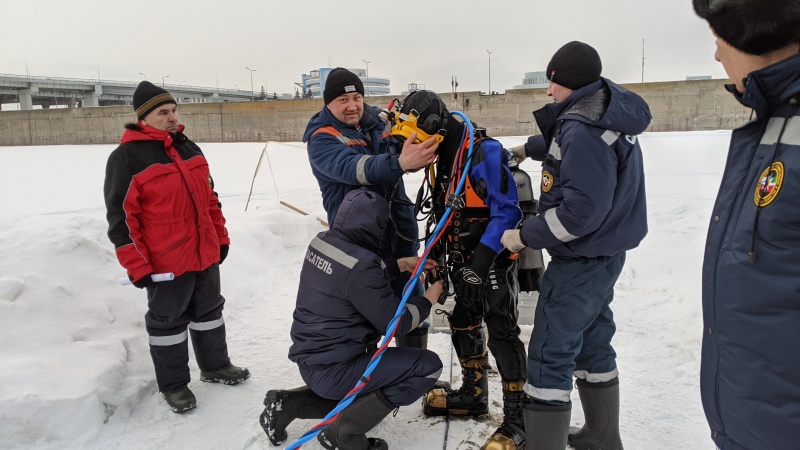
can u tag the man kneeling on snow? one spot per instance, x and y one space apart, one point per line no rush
344 304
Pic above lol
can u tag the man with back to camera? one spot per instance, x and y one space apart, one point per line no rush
164 216
751 270
592 210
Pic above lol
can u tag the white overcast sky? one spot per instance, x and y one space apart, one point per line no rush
208 42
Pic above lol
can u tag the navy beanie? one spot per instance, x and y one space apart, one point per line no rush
574 66
148 97
341 81
753 26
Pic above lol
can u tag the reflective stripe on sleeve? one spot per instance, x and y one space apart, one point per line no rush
556 227
414 314
361 171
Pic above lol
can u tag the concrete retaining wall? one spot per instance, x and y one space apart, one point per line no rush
676 106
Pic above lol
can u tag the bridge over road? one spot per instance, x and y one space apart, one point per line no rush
74 92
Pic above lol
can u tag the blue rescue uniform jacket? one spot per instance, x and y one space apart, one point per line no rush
345 301
593 197
750 369
343 158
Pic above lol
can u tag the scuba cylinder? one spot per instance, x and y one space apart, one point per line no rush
531 262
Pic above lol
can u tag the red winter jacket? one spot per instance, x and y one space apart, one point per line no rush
163 215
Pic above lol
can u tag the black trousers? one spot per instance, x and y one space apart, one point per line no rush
500 313
189 304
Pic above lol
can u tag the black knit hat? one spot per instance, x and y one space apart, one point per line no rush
148 97
341 81
753 26
574 66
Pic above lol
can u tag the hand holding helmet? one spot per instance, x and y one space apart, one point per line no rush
416 155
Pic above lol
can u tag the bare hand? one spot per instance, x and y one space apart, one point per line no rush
434 291
419 155
408 263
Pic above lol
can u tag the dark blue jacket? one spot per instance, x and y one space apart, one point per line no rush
343 158
750 369
593 198
345 301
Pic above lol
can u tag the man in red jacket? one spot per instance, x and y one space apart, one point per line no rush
164 217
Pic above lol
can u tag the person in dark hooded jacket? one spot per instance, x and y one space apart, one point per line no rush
593 210
750 362
344 305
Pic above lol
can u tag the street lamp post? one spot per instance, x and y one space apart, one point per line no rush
163 77
367 80
252 94
143 76
490 71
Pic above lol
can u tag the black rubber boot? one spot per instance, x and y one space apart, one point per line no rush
547 426
284 406
471 399
510 435
348 431
416 338
180 400
227 375
601 408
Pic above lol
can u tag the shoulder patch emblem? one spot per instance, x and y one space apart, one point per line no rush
547 181
769 185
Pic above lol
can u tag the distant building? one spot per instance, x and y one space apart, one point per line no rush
314 81
413 87
697 77
534 80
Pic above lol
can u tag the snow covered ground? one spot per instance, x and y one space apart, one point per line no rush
76 372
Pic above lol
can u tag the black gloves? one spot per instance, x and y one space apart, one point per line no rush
223 252
469 279
145 281
469 288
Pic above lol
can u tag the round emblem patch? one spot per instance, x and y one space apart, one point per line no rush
547 181
769 185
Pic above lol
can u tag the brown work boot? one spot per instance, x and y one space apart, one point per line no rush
471 399
510 435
